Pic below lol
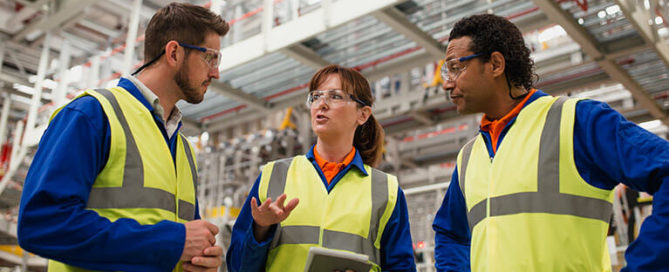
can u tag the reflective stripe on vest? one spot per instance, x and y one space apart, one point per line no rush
331 239
548 198
133 194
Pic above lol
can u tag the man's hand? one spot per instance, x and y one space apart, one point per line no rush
200 235
209 262
269 214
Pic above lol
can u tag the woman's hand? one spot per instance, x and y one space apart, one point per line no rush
270 213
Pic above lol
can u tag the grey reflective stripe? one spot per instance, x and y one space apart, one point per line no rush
133 173
295 235
553 203
277 181
129 198
275 188
331 239
191 163
132 194
187 210
466 152
548 198
476 214
548 179
379 203
351 242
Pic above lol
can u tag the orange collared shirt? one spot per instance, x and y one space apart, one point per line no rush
496 127
331 169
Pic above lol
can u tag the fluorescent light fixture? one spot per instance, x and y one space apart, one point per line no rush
552 33
74 74
601 14
24 89
613 9
204 137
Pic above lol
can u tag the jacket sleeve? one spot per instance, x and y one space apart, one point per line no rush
452 234
396 244
609 149
53 221
245 253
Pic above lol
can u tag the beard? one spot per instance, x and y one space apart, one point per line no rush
190 93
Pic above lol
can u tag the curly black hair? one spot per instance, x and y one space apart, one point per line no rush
490 33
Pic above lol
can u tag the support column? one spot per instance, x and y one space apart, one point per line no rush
2 52
16 157
5 115
63 65
131 39
94 72
37 94
267 22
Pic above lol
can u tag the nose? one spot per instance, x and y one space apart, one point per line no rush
213 73
321 103
448 85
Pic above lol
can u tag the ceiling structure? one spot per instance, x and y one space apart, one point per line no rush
268 57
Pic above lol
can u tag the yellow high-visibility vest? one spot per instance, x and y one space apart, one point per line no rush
140 180
350 218
528 208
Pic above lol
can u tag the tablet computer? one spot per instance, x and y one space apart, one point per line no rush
323 259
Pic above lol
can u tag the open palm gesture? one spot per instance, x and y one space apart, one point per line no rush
270 213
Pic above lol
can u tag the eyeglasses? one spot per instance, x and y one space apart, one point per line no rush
211 56
451 69
331 98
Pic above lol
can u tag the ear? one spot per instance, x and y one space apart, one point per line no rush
363 114
173 54
498 63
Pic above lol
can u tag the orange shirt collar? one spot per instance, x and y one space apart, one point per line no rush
495 127
331 169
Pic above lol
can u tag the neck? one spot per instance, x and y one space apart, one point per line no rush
166 90
503 103
333 150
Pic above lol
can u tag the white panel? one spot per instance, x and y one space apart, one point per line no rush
296 30
241 52
299 29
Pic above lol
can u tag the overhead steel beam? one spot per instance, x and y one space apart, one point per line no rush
240 96
422 117
305 55
594 49
71 9
18 63
28 10
639 17
400 65
98 28
6 77
398 22
12 91
3 48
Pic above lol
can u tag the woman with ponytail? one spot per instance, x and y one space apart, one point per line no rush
337 199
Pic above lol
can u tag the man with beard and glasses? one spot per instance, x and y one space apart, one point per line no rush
112 185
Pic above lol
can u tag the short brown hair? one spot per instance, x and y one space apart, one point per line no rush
180 22
369 137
